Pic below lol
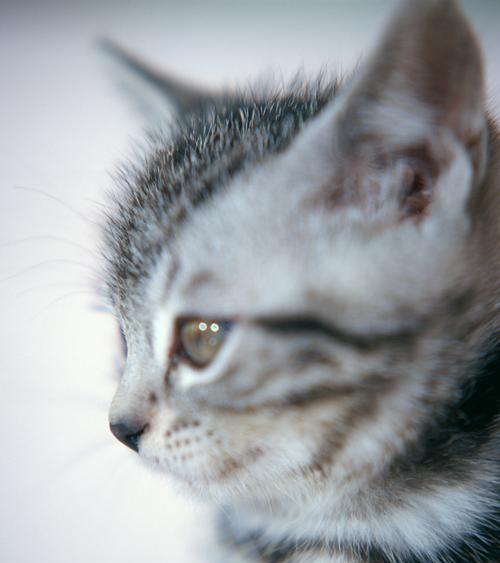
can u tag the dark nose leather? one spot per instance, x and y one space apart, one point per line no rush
128 433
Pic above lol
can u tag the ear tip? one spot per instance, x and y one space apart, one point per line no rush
112 47
105 42
424 9
181 94
422 5
440 21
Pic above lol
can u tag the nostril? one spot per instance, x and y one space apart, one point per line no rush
128 434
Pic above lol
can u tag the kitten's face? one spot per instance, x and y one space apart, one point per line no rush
292 330
324 318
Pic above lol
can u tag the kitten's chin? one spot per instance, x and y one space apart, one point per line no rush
229 480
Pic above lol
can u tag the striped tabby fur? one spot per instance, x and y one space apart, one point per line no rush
350 234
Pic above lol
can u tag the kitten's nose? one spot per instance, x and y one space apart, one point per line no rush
128 433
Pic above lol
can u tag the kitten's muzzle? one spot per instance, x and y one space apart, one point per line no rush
128 433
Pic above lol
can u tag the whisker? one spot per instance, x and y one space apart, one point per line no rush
101 308
61 298
51 238
95 401
51 286
45 263
59 201
35 390
74 462
94 448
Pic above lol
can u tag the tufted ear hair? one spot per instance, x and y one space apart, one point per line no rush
412 112
183 98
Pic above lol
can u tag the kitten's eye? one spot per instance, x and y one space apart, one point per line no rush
200 340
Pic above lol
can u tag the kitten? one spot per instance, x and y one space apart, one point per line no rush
308 287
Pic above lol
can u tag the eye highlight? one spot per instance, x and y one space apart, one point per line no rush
199 340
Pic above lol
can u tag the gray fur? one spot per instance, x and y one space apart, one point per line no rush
186 166
350 240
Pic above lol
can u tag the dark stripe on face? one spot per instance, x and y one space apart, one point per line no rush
314 326
369 385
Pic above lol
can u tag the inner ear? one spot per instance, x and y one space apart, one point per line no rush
400 183
410 126
420 172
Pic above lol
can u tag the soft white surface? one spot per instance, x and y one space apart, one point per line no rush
68 490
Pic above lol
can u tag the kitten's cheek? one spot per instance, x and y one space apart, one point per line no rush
179 445
196 453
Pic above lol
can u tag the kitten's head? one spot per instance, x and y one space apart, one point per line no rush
292 275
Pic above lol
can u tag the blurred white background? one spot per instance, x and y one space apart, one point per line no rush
68 490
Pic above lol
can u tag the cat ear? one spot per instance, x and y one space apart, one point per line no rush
182 97
411 114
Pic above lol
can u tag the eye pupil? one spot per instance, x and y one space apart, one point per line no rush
200 340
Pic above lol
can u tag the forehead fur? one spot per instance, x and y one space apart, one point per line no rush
188 166
258 229
262 247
